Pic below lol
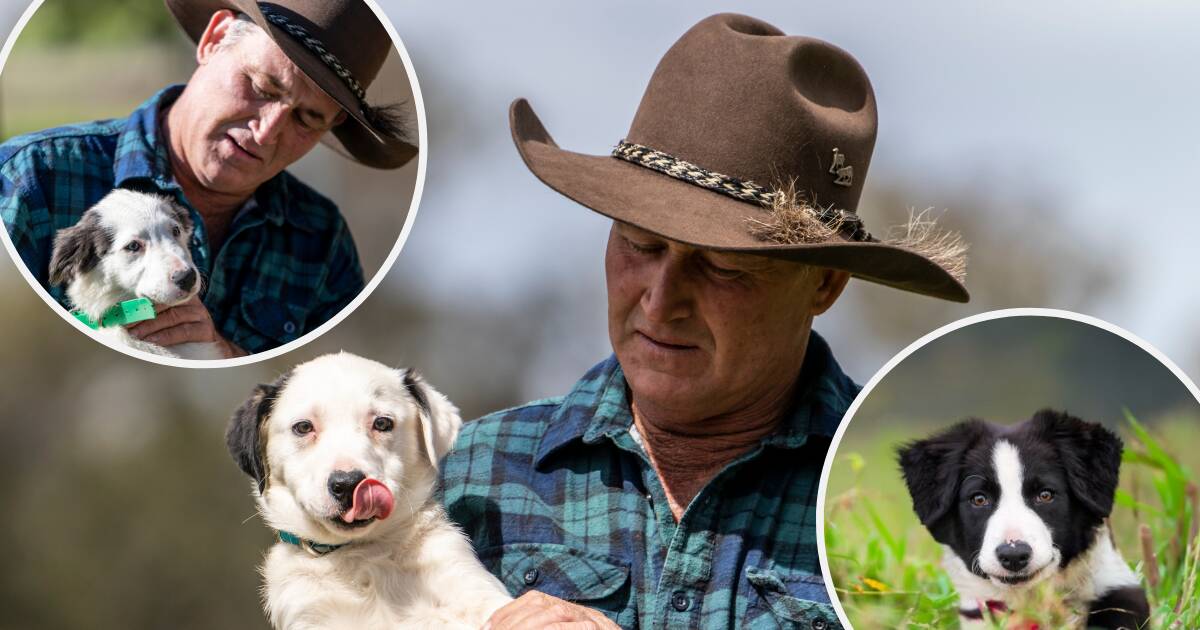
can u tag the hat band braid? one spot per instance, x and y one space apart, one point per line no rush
745 190
317 47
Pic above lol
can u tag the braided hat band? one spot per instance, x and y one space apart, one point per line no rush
846 222
316 47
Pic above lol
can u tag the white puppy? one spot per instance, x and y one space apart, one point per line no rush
344 454
129 245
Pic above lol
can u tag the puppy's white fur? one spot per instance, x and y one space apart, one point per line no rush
413 569
92 259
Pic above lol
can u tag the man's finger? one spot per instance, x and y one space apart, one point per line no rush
173 316
183 333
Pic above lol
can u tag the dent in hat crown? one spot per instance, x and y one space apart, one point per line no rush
737 96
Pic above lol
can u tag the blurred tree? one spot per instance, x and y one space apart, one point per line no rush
92 22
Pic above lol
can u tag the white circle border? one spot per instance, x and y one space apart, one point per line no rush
418 189
926 340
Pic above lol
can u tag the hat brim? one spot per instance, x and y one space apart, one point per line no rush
356 137
696 216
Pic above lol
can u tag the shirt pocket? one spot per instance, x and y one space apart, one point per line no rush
561 571
790 601
278 320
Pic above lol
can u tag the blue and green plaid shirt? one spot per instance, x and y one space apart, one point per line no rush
287 266
558 496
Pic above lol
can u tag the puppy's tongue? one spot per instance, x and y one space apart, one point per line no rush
371 498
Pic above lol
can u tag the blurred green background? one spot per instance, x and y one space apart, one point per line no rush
885 565
124 511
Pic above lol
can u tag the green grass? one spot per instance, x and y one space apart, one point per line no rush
887 569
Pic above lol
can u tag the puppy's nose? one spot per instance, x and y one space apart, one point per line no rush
185 279
342 484
1014 555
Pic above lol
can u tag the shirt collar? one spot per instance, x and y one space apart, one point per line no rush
598 406
142 157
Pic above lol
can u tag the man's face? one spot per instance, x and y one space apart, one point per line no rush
251 113
701 333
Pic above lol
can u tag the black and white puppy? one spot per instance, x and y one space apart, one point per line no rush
344 456
1017 505
129 245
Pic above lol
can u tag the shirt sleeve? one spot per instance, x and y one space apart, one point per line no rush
25 213
344 281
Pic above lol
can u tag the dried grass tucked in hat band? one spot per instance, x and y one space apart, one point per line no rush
793 220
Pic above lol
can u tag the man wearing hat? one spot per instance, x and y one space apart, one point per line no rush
272 80
675 485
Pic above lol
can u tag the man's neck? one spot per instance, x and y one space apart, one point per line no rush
688 454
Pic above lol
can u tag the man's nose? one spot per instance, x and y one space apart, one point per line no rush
269 123
667 296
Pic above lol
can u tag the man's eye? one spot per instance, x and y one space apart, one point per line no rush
133 247
725 274
642 248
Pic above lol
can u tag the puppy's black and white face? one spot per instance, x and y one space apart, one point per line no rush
129 245
1016 504
339 443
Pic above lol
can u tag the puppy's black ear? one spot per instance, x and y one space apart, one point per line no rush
932 468
440 421
78 249
244 435
1090 454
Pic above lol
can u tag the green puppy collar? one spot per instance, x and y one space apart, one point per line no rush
122 313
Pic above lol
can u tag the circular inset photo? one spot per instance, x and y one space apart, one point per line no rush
1019 469
206 183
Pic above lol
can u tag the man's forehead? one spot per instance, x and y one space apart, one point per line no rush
264 59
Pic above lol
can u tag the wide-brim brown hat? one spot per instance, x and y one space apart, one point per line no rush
749 140
339 44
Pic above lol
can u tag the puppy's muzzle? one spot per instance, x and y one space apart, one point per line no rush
342 484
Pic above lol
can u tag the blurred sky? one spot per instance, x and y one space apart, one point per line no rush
1083 109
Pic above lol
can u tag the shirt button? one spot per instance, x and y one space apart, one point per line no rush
819 624
289 327
681 601
531 577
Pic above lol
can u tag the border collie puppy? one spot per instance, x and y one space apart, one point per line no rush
129 245
1014 506
344 456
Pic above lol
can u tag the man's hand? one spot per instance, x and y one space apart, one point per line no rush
542 611
184 323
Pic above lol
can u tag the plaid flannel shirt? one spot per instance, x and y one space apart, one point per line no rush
287 266
558 497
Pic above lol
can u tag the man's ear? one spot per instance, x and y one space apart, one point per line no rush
439 418
244 436
831 284
1090 454
78 249
932 467
214 33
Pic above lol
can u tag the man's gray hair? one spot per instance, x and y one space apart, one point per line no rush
242 27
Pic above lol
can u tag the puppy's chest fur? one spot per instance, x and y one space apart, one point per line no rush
406 580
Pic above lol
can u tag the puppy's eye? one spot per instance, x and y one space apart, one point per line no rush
303 427
133 246
979 500
1045 496
176 231
384 424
